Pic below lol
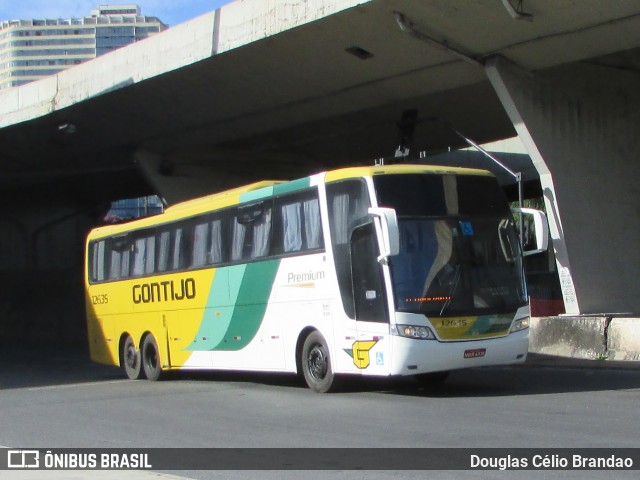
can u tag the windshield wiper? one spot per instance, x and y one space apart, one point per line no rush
452 290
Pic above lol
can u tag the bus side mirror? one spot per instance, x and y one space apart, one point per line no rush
387 223
538 220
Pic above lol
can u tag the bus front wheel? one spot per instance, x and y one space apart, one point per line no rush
151 358
316 364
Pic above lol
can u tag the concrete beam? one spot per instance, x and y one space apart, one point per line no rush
228 28
579 123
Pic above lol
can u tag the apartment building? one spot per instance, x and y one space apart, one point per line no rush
31 49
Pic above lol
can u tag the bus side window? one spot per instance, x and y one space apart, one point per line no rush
312 224
207 241
251 232
291 218
298 223
98 271
164 241
119 265
215 253
200 241
237 233
144 255
183 246
261 241
175 247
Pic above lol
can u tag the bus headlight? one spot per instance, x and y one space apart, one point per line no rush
520 324
413 331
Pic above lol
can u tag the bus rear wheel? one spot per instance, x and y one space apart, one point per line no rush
151 358
130 360
316 364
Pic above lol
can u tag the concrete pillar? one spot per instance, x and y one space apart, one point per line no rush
580 124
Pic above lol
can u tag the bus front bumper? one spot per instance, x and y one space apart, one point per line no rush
412 356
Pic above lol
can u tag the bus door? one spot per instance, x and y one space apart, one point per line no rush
363 333
371 351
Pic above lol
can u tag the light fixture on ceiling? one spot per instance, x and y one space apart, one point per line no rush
68 128
359 52
517 12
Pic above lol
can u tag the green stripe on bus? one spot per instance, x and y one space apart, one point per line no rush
236 306
219 309
291 186
256 194
251 305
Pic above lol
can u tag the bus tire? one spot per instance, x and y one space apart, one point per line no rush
130 360
316 364
151 358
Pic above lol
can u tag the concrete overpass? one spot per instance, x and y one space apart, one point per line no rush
279 89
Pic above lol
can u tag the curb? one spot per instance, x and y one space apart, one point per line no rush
539 360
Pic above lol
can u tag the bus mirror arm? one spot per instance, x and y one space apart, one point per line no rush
387 221
541 229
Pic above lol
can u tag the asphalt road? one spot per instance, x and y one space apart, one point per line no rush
50 399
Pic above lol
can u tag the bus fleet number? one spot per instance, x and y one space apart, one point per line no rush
99 299
453 322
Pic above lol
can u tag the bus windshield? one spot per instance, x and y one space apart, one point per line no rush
459 250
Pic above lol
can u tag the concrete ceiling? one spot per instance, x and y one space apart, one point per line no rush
326 93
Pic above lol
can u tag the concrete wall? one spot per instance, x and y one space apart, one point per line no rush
588 337
41 265
580 125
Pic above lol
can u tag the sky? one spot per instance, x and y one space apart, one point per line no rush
171 12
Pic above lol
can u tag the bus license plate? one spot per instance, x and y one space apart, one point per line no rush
478 352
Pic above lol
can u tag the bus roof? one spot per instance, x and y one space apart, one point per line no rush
367 171
227 197
238 195
192 207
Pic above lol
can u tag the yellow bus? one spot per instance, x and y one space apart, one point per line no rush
383 271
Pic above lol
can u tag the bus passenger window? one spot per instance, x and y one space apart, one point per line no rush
200 240
98 271
238 233
262 235
292 227
181 249
312 224
298 223
251 232
163 251
214 255
144 256
119 264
